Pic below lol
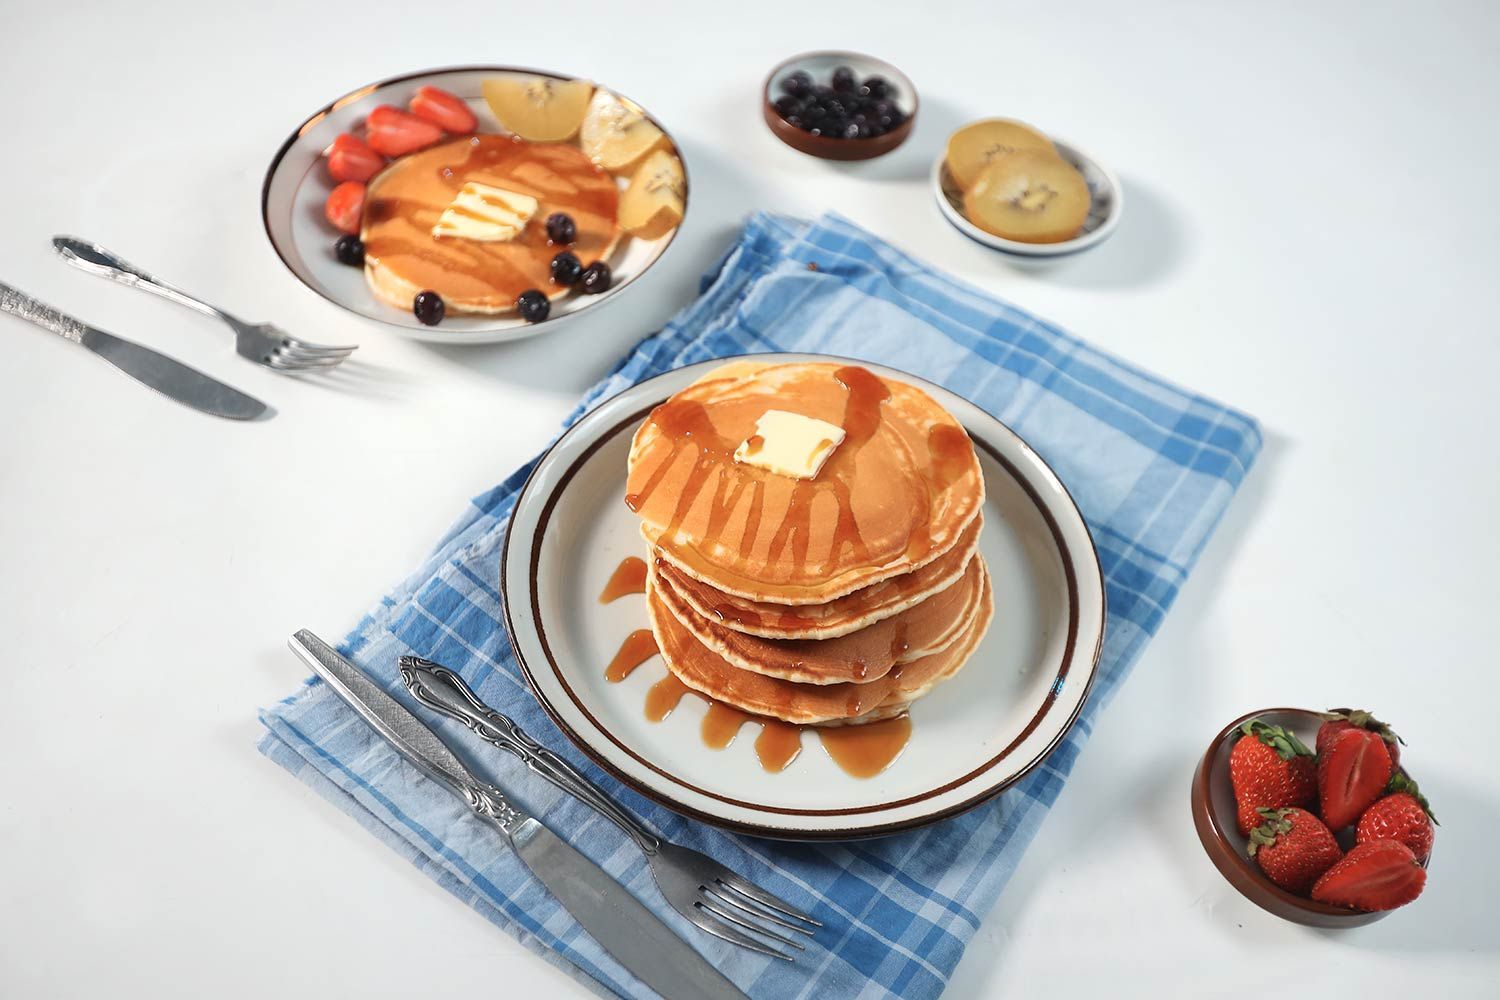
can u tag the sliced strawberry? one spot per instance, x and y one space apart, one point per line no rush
448 112
394 132
1352 773
1336 720
349 159
345 205
1379 875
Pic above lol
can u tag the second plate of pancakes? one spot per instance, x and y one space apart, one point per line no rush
950 648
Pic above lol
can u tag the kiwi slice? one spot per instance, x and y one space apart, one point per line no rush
977 144
1029 196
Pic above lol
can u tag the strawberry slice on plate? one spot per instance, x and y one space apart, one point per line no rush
447 111
1353 771
345 206
349 159
1379 875
393 132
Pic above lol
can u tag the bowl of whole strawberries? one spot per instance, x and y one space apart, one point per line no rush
1335 834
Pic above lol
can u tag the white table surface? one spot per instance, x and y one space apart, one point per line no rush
1310 235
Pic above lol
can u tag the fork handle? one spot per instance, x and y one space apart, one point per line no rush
93 258
445 692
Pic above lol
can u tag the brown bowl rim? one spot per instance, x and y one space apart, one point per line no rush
836 149
1238 869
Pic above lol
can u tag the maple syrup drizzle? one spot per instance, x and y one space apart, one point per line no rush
721 725
664 696
778 744
638 647
628 578
866 750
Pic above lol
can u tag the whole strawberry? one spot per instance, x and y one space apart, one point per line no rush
1379 875
1270 769
1353 770
1403 815
1336 720
1293 848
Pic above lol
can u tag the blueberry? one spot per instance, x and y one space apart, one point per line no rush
864 131
350 250
836 109
815 130
875 86
797 84
533 305
428 308
596 278
566 268
787 106
851 131
878 108
560 228
822 92
843 79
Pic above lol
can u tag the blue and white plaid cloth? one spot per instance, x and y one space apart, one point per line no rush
1153 468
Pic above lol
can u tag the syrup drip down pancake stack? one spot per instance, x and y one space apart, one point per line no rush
814 537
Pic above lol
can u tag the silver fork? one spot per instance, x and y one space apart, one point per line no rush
260 342
710 895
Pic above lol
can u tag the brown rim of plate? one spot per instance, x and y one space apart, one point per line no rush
1238 869
836 149
756 829
369 88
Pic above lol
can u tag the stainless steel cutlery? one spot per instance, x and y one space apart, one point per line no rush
259 342
610 914
172 379
713 897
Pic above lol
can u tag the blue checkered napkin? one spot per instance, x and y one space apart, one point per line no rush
1152 467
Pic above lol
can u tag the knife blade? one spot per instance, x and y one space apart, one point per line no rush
624 927
172 379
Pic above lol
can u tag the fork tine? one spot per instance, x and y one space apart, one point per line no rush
308 359
711 905
758 912
302 353
281 362
703 918
301 345
732 881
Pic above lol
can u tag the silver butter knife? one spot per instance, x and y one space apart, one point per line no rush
172 379
622 925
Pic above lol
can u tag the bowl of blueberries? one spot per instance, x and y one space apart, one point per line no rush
840 105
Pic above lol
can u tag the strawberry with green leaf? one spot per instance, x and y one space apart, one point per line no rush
1270 768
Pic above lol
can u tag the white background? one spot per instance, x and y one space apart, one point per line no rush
1310 235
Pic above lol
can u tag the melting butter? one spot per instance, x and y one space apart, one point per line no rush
790 444
485 213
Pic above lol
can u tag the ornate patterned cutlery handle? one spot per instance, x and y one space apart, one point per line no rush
18 303
441 690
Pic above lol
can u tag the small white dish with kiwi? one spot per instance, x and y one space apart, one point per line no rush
1015 189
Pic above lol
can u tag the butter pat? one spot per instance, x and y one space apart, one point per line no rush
790 444
485 213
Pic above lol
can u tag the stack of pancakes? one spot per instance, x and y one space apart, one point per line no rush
839 598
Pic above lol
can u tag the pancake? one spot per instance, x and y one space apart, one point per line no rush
840 616
700 669
403 203
894 496
860 657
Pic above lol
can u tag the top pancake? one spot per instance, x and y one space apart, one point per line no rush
403 203
895 495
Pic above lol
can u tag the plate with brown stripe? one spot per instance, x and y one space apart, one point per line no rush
571 578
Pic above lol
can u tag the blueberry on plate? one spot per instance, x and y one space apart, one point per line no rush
561 229
843 79
851 131
596 278
350 249
567 268
428 308
797 84
875 87
533 305
786 106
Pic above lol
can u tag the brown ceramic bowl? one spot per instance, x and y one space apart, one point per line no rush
1214 817
820 66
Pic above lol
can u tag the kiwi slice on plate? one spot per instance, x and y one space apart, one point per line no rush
977 144
1030 197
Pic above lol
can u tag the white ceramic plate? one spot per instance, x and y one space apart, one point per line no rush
971 737
297 184
1108 202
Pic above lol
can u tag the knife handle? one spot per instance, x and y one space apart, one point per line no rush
18 303
442 690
